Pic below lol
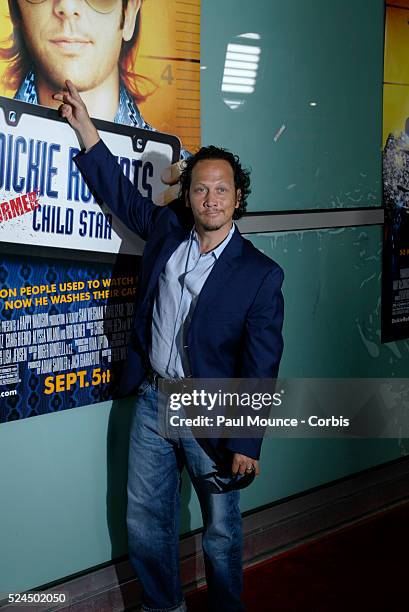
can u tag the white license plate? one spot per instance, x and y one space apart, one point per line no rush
36 155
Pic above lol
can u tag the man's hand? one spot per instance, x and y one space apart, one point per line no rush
170 176
74 110
244 465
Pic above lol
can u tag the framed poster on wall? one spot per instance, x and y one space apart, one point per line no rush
68 268
395 274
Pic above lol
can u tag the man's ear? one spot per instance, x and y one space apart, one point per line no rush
131 13
238 198
187 201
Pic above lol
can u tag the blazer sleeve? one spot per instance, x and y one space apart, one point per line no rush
106 180
262 346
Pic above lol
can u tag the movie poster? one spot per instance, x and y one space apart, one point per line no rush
68 267
395 274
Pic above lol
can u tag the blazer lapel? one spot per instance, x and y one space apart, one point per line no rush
223 267
171 243
173 240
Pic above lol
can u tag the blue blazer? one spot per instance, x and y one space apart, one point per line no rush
235 330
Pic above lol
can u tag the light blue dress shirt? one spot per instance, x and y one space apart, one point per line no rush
179 287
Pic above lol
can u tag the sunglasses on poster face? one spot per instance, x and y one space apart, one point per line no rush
100 6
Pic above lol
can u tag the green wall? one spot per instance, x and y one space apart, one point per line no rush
327 53
63 475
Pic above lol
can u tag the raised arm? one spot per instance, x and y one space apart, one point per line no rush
101 170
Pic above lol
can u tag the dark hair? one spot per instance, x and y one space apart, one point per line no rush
20 60
241 175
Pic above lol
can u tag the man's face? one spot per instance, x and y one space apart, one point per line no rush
70 40
212 195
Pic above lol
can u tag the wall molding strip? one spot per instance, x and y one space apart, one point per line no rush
262 223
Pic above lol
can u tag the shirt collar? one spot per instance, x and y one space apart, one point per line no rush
127 112
216 252
27 92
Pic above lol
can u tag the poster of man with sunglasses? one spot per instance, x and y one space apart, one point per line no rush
119 58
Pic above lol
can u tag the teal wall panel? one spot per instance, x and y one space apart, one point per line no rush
332 304
63 491
311 51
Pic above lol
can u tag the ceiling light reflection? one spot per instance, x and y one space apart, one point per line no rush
240 69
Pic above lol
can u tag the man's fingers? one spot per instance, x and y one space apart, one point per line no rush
65 111
238 467
171 174
235 466
167 196
73 90
67 97
242 464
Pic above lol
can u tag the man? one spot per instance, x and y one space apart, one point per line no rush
209 306
91 42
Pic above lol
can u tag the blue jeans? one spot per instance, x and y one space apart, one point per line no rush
154 478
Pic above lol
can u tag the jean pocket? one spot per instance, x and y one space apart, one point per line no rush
143 387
